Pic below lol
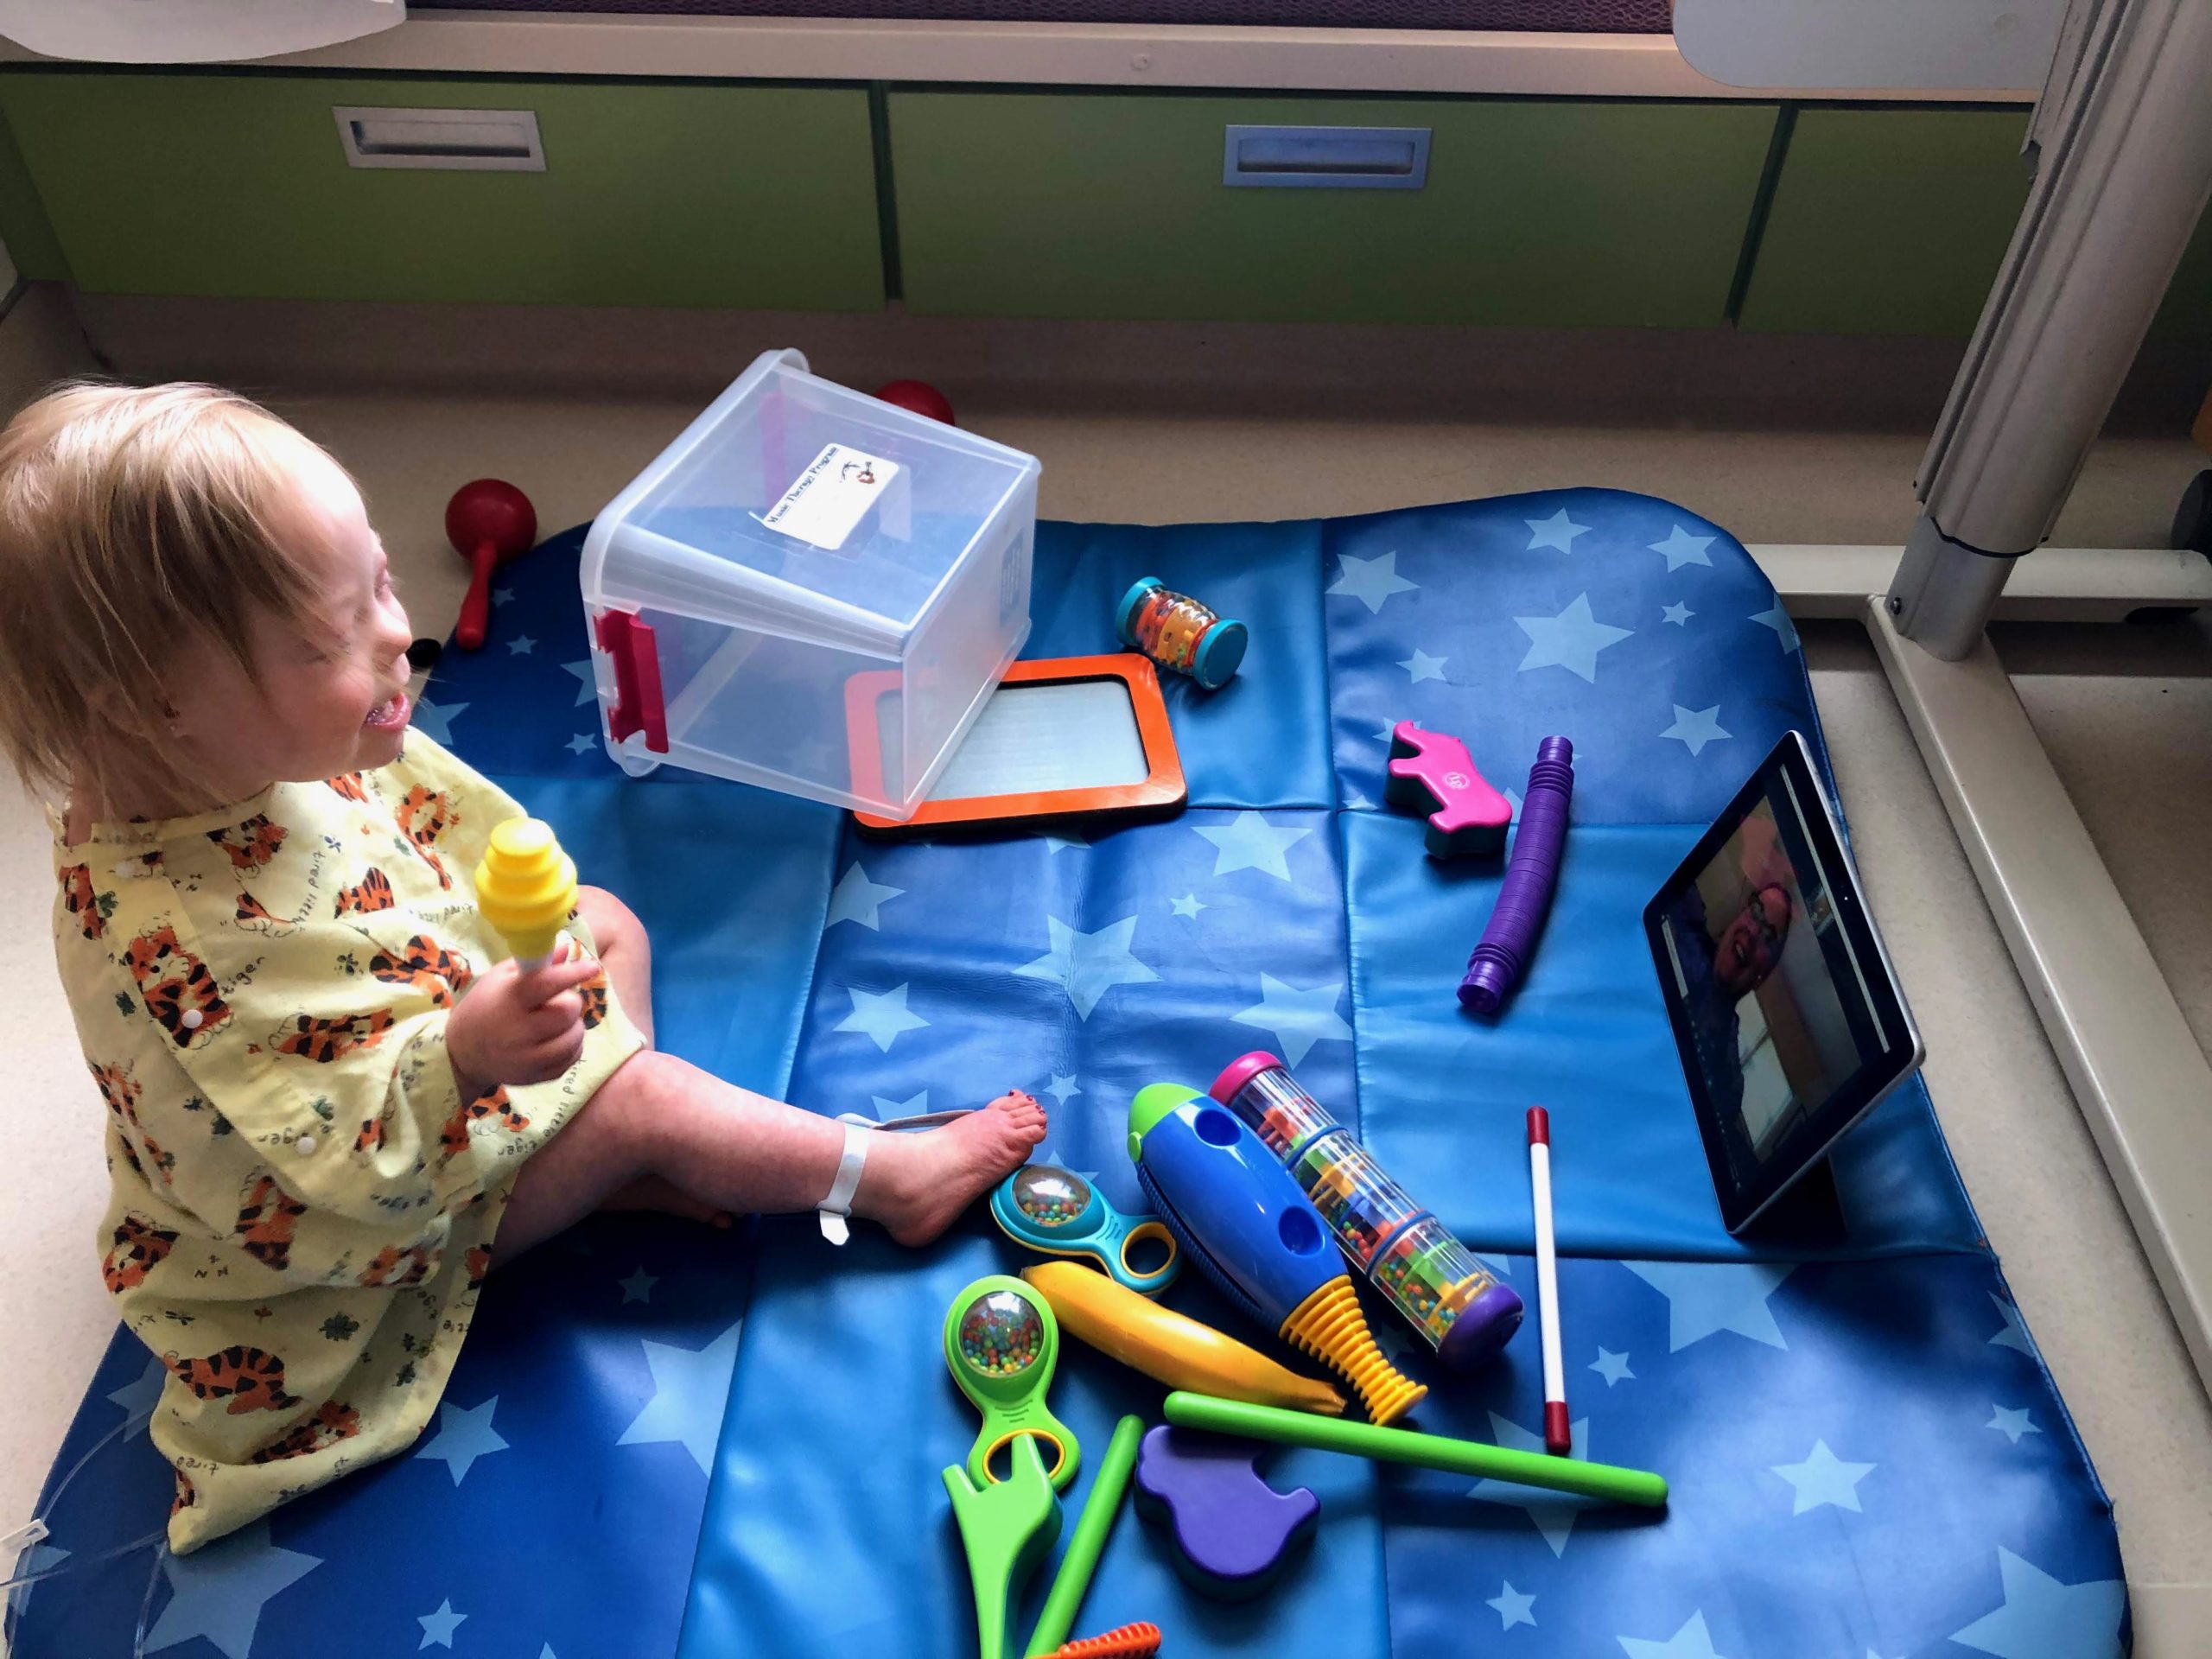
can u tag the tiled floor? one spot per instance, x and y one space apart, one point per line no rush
2125 713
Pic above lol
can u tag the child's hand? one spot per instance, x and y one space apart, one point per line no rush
515 1027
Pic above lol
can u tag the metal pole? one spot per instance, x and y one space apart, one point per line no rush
2124 136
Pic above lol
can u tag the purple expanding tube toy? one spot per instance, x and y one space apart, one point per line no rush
1499 961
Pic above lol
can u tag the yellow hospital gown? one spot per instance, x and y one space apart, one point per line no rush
304 1203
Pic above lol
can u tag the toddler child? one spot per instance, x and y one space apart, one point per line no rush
332 1095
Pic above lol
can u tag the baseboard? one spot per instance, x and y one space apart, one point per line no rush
2172 1621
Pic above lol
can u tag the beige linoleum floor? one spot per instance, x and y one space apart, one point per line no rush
2128 714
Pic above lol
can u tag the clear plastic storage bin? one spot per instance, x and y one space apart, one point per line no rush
810 590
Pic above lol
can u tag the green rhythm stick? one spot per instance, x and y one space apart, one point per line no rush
1090 1540
1425 1450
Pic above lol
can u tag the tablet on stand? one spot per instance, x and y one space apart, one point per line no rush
1786 1015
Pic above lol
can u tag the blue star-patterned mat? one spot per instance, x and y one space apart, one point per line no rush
1867 1456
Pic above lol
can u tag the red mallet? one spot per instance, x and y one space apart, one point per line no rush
920 397
488 521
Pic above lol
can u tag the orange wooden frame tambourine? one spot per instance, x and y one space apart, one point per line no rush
1160 793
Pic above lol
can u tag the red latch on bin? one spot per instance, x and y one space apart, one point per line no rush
628 644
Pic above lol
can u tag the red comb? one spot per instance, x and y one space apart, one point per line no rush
1130 1642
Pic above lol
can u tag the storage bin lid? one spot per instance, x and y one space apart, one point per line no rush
799 507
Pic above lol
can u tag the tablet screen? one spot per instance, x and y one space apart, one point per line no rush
1781 999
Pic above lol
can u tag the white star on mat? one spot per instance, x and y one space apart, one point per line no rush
1512 1607
887 1109
881 1014
1695 728
138 1399
1823 1477
1393 1342
2014 1335
1298 1019
1612 1366
1387 730
1678 614
1704 1298
1371 581
638 1288
690 1390
1570 640
438 1627
1680 548
521 645
2010 1423
1558 531
501 595
1062 844
582 743
1189 904
219 1592
1784 630
38 1559
1691 1641
2042 1619
1355 801
1422 666
435 720
859 900
587 688
1088 965
1553 1513
464 1436
1063 1087
1251 842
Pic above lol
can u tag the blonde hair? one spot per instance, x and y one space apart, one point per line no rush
132 518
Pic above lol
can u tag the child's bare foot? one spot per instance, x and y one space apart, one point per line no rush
917 1184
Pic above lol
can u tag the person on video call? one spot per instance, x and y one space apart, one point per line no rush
1721 970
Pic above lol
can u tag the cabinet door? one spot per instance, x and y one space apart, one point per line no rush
2187 314
1888 221
1112 205
651 194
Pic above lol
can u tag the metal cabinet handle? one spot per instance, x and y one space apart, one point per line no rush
1325 158
484 140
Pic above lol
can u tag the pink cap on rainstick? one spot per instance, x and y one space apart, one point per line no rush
1540 1127
1240 1071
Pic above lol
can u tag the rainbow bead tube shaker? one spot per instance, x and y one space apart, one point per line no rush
1240 1216
1182 634
1430 1278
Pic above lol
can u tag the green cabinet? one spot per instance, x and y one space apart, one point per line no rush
1076 204
652 194
1888 221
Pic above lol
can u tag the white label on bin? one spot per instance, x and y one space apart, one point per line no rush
831 496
